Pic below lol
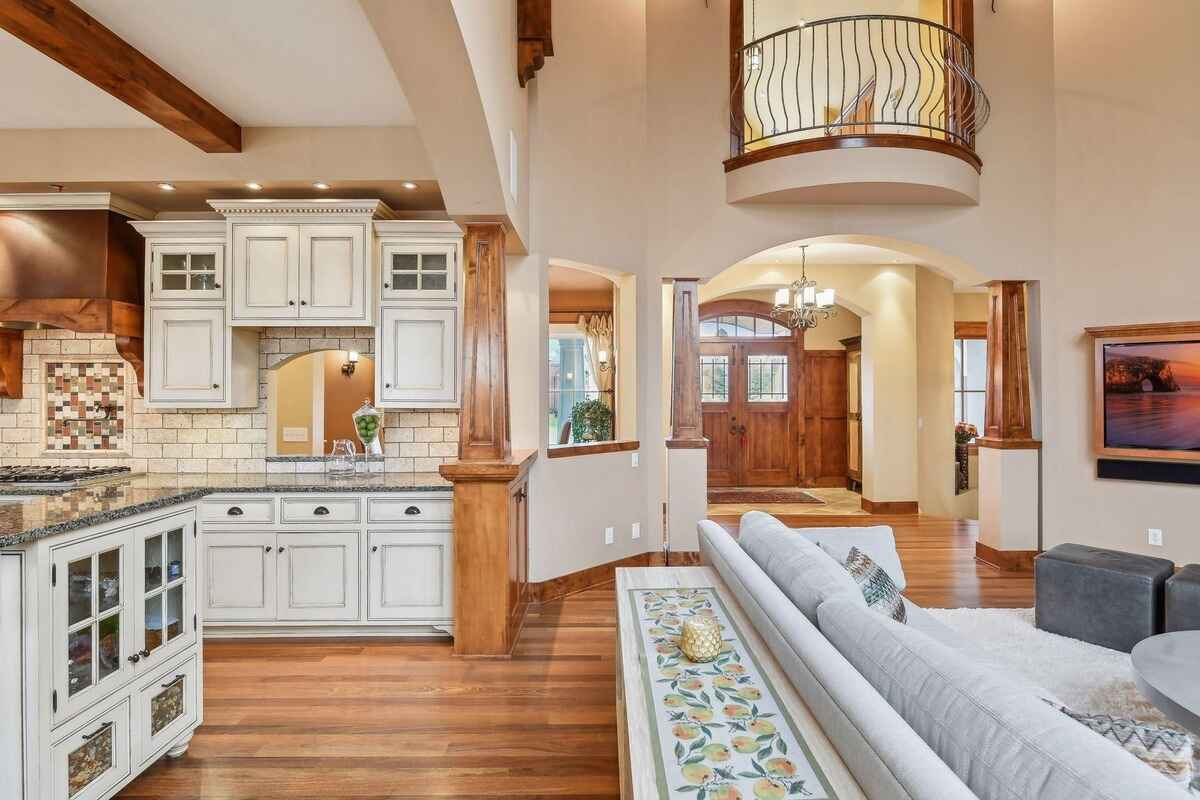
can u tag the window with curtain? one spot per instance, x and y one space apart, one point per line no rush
970 381
571 379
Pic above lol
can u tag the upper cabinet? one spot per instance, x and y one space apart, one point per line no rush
185 260
300 262
415 271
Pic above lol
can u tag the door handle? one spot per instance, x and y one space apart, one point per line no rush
97 732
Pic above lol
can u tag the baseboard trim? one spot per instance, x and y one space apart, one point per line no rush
267 630
889 506
1006 560
591 577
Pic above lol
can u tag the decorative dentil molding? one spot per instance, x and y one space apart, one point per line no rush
291 208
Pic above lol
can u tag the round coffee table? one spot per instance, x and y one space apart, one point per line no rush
1166 669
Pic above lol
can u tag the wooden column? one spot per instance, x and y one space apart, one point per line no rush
1008 420
12 359
490 482
687 425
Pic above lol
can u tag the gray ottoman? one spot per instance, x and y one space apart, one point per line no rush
1183 599
1105 597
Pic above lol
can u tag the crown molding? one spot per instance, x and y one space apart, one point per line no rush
180 227
74 201
320 206
409 227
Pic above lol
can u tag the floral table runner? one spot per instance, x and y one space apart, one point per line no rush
719 730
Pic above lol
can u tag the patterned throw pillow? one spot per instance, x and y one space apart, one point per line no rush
1168 751
877 588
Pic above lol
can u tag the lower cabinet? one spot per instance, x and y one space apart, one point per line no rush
240 570
411 575
94 757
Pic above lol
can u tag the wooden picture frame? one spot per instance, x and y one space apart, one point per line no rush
1152 333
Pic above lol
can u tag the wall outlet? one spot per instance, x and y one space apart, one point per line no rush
636 530
634 459
1155 536
609 537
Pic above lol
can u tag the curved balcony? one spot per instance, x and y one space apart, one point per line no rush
858 109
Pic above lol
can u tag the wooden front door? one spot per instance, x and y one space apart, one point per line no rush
748 399
825 419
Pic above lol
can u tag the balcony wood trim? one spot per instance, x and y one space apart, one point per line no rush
899 140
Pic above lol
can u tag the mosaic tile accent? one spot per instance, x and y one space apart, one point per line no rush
85 405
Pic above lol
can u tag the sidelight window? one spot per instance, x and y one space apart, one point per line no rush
766 379
714 379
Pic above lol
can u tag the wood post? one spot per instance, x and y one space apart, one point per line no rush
1008 420
12 358
687 425
484 422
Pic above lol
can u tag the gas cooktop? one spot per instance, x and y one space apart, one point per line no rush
58 477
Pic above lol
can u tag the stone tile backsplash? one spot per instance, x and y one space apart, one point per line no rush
226 441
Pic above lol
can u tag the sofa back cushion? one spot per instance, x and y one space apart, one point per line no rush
877 541
997 736
803 571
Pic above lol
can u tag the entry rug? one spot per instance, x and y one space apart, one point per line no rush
720 732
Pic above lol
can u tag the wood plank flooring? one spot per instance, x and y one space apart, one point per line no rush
402 719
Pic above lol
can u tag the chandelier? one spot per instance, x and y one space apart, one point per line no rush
801 305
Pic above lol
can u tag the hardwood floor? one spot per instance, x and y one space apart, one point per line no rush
402 719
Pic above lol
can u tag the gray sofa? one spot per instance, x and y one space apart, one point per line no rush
910 709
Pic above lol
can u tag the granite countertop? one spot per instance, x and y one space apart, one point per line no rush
51 514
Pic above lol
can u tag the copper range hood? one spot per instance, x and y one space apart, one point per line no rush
72 262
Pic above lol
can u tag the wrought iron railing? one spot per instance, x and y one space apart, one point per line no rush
856 76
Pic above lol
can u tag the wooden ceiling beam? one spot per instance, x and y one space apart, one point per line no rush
66 33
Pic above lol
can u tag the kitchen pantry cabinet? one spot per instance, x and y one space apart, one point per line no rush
195 361
417 340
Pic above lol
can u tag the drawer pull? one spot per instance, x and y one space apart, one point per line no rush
172 682
97 732
235 511
412 511
321 511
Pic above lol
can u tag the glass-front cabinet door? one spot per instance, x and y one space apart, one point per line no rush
187 272
92 636
164 587
415 271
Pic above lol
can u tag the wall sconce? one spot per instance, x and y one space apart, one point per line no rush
602 356
351 363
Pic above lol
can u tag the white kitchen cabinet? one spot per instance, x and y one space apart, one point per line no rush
165 706
185 261
240 569
164 591
411 575
301 262
417 357
93 759
317 576
419 271
195 361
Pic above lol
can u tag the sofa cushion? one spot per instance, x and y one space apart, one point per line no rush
877 588
802 570
997 736
1166 750
876 541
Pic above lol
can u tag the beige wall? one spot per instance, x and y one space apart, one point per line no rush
294 405
1125 210
935 397
970 307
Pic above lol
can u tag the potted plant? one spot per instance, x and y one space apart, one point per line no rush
591 421
964 433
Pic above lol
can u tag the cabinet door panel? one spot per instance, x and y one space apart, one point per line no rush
187 271
413 271
411 575
164 708
164 604
187 355
92 759
418 349
318 576
239 571
266 264
332 272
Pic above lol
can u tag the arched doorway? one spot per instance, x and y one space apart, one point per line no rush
774 413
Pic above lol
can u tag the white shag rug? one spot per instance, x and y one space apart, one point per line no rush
1085 677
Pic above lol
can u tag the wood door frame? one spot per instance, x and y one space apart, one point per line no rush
759 308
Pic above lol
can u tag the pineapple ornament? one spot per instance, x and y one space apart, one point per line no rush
368 424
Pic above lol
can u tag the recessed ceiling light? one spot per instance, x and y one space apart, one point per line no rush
167 187
253 186
320 185
409 185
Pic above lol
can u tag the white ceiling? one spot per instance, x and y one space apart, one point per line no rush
833 253
263 63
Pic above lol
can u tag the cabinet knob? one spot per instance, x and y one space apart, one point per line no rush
133 659
291 302
235 511
387 386
387 286
321 511
144 654
303 302
281 548
374 548
216 286
267 549
216 386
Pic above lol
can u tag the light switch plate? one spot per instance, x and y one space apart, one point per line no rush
634 459
609 536
295 434
636 530
1155 536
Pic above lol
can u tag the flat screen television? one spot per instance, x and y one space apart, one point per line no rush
1147 401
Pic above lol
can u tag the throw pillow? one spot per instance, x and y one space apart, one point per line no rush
1168 751
877 587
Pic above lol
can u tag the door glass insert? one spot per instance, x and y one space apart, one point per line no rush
79 590
79 660
424 271
714 379
183 271
109 580
167 705
162 604
766 379
154 565
90 760
174 262
173 625
93 619
153 633
108 646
